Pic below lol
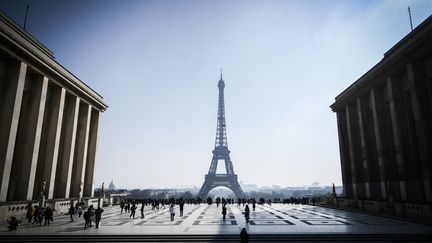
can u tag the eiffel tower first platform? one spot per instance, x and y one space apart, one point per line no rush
221 152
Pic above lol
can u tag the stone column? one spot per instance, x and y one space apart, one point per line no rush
397 142
341 148
39 115
80 158
378 145
91 153
67 147
51 131
13 93
420 133
28 138
351 152
364 149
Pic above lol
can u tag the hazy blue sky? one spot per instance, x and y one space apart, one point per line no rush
157 65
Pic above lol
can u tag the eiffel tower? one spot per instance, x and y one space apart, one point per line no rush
221 152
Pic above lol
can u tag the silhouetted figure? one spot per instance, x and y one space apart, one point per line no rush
253 204
37 215
133 209
334 190
244 236
224 211
247 213
122 206
87 220
29 214
172 212
142 210
71 212
91 213
48 215
98 216
181 205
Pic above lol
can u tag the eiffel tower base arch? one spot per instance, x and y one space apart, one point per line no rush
217 180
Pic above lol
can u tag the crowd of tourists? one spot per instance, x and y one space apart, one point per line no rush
38 215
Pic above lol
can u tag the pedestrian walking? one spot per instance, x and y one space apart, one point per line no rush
181 208
48 215
224 211
142 210
30 211
98 215
133 209
172 212
247 213
122 206
71 212
87 220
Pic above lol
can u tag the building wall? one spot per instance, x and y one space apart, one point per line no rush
385 135
49 123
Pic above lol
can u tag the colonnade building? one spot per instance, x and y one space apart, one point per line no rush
385 130
49 123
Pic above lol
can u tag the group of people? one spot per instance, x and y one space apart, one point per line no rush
87 215
34 215
130 206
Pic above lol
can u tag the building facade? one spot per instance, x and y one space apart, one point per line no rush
385 130
49 123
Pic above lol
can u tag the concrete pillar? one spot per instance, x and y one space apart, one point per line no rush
27 144
11 95
81 145
378 144
91 153
396 138
364 149
351 153
341 133
420 133
39 113
51 131
67 147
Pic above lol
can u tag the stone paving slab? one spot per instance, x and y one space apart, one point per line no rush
207 219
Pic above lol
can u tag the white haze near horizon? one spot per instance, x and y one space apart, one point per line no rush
157 65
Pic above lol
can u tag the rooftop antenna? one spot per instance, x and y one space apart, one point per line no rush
25 18
221 73
409 13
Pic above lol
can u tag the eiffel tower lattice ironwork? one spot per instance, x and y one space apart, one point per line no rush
221 152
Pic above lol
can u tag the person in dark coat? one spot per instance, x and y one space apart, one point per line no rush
247 212
142 210
244 236
224 211
86 217
71 212
48 215
133 209
98 216
181 208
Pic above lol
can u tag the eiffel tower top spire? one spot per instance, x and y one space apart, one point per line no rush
221 137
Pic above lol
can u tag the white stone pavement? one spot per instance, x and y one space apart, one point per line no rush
205 219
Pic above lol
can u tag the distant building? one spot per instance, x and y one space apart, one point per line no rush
385 133
49 122
111 186
315 184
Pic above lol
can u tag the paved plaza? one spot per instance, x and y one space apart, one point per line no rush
207 219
